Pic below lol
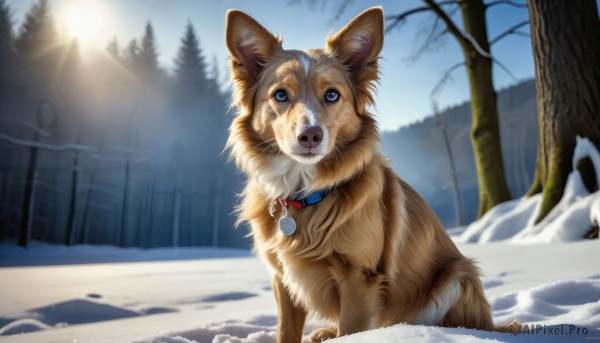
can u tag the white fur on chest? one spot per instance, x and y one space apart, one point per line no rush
285 176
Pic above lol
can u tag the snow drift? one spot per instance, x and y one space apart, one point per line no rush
569 220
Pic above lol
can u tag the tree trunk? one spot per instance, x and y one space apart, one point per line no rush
28 198
536 185
72 214
122 240
3 201
485 132
566 48
439 121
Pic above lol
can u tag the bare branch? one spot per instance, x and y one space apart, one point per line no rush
522 34
342 9
435 34
39 130
506 2
129 159
506 70
452 28
437 31
509 31
51 147
399 18
445 78
464 38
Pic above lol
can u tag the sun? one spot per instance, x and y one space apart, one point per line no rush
83 20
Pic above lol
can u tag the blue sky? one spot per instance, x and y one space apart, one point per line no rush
404 94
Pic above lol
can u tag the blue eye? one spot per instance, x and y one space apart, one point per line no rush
280 95
332 95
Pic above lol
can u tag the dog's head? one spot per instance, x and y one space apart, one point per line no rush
300 108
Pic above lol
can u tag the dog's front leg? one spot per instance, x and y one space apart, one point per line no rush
360 300
290 318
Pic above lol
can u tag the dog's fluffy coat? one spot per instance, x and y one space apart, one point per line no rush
371 253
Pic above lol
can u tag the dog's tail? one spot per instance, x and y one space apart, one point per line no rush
513 327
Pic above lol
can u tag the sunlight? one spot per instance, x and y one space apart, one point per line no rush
83 20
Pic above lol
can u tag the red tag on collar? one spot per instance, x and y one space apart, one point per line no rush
285 202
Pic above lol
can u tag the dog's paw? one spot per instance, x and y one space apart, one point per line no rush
322 334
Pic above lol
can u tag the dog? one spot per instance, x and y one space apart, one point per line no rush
345 237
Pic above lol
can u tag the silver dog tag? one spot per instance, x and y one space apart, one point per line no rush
287 224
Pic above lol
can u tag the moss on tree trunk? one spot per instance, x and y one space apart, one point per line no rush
566 47
485 132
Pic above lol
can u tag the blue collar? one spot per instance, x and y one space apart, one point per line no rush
300 202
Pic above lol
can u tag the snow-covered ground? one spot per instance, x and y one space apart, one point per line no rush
105 294
99 294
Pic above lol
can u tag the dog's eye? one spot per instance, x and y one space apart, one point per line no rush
331 95
280 95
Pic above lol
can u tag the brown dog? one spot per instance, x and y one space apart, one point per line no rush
345 236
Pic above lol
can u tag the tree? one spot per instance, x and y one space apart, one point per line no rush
132 53
215 75
113 48
148 57
5 66
190 66
485 132
6 33
38 32
566 48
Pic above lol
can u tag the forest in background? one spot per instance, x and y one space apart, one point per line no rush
108 147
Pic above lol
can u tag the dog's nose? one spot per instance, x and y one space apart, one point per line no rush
311 137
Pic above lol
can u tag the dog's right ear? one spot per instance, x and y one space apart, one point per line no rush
357 45
250 45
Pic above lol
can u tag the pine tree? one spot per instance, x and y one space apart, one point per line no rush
113 49
6 36
133 48
215 76
38 32
148 58
132 56
190 66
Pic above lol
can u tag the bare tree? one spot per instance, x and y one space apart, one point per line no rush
475 46
566 48
439 121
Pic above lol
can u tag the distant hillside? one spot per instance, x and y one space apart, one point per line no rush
418 153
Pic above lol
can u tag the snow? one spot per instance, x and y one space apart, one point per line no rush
568 221
41 254
85 293
595 211
105 294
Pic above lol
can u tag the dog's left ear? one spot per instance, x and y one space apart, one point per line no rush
358 45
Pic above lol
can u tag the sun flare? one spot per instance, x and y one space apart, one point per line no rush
83 20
